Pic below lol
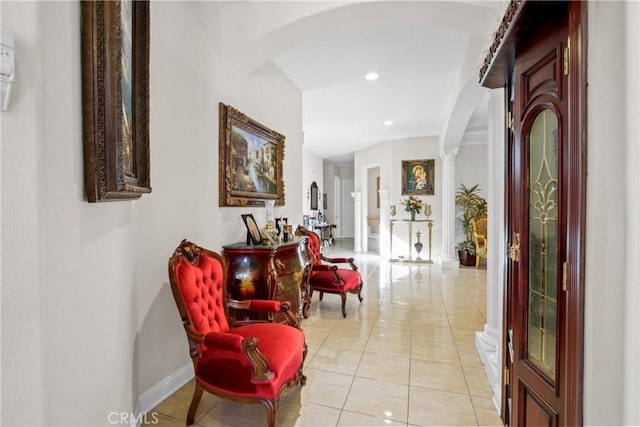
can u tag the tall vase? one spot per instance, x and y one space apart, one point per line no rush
268 205
418 245
413 215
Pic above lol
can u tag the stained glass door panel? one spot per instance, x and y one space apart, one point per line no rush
543 243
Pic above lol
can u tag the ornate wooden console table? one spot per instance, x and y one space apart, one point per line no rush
277 272
410 259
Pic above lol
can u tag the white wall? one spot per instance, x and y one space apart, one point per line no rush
338 184
312 171
389 157
631 390
329 171
88 321
373 201
611 376
471 169
24 394
372 191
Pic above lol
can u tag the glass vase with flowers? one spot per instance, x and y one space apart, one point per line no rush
413 205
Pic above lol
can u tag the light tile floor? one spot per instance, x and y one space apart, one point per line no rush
405 356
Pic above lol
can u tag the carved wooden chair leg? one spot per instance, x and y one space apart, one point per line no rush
195 401
272 411
321 295
344 304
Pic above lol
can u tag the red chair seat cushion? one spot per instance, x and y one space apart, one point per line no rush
282 345
324 280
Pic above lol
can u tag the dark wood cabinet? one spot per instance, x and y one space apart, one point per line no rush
277 272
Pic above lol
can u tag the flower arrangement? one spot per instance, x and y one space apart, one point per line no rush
412 205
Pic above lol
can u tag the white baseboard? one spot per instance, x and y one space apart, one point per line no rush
163 389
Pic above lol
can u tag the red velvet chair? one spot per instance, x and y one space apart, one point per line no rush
249 363
329 277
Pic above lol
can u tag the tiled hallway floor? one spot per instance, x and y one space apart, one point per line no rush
405 356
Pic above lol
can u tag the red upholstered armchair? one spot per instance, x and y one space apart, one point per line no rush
247 363
329 277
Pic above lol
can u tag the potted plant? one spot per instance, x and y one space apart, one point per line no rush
472 206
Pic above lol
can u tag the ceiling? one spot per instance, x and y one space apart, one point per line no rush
423 51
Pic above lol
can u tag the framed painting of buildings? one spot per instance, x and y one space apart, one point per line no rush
250 161
115 97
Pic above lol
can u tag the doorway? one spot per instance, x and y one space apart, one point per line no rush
372 224
545 212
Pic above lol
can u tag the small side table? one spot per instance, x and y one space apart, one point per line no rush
326 233
278 272
392 222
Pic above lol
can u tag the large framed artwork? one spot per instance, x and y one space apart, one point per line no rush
115 97
418 177
250 161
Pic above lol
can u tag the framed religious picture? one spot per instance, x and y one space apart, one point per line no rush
115 99
250 161
418 177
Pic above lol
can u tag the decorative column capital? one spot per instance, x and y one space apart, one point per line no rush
448 154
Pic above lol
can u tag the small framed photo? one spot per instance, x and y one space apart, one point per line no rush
253 232
418 177
306 221
281 223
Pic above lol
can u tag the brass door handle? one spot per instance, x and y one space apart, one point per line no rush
514 249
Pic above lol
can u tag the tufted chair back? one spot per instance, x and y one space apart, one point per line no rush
313 243
327 276
199 287
247 362
479 227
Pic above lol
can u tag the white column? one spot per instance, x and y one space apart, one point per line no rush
383 237
357 222
449 257
488 341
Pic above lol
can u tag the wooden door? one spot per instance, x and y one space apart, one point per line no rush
545 211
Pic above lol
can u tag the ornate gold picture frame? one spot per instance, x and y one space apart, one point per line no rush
418 177
115 96
250 161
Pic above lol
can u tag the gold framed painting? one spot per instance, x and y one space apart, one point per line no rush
418 177
115 96
250 161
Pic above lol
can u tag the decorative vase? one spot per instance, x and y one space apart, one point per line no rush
413 215
427 210
418 245
268 206
393 210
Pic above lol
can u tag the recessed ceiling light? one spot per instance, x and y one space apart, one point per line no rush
372 76
388 123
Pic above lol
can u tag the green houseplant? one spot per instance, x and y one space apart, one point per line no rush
471 205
